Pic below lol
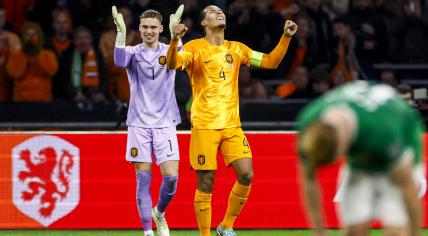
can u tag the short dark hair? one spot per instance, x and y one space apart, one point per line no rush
151 14
204 12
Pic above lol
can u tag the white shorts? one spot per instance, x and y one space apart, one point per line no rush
143 143
365 197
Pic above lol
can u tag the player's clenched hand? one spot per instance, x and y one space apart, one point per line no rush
174 19
290 28
179 31
118 20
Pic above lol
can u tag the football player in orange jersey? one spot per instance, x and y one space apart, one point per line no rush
213 65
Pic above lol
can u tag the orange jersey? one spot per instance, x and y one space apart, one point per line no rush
213 72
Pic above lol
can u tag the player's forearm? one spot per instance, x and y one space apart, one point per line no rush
311 194
274 58
172 57
120 57
402 176
120 40
313 205
413 208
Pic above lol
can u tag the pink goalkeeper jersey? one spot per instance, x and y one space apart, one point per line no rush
152 103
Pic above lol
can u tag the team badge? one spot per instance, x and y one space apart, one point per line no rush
47 173
201 159
162 60
134 152
229 58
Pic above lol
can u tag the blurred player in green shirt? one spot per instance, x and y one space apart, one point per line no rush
382 137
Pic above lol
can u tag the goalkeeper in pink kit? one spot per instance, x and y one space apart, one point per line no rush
152 115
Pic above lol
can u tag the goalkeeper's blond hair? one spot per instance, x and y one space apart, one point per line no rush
151 14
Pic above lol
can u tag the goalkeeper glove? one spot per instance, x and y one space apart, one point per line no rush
174 19
120 26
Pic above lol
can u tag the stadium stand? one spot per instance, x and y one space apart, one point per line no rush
249 23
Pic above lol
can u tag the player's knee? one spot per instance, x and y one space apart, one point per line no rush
206 184
245 178
206 187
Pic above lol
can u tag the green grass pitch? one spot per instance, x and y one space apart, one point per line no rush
173 232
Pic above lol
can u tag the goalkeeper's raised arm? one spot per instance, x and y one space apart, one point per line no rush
120 27
152 107
177 30
174 60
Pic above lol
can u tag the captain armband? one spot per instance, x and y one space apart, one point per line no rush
256 59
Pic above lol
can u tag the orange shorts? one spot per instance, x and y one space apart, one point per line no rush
204 144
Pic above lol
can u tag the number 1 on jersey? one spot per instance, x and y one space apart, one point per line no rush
153 72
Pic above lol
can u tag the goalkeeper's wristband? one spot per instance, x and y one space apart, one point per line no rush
120 39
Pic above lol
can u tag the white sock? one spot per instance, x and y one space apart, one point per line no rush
148 233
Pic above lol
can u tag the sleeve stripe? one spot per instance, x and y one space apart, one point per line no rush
256 58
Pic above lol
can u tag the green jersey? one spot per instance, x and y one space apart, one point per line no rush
386 125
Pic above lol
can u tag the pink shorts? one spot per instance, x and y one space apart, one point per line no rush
142 142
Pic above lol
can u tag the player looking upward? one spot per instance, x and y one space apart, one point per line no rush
213 64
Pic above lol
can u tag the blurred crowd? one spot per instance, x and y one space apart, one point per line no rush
63 49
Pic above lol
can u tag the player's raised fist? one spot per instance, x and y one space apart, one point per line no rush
179 31
290 28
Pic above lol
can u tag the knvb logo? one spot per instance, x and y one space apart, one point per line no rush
46 176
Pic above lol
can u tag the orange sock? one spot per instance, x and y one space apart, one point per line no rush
202 205
237 199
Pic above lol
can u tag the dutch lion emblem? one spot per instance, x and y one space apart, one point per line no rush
46 170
